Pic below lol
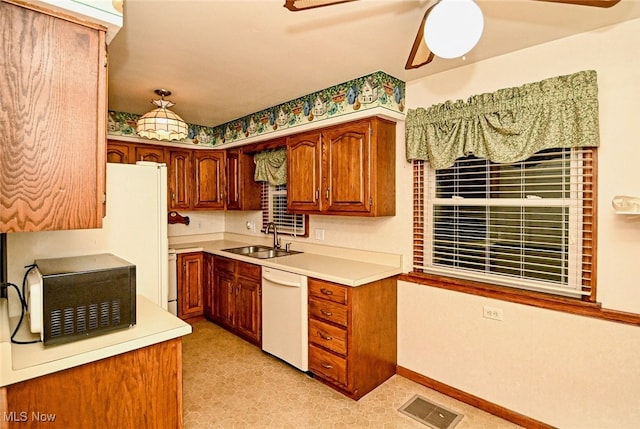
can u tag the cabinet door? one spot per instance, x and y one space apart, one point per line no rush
179 179
117 153
248 309
190 284
209 179
304 172
243 192
148 153
52 121
208 281
347 186
224 298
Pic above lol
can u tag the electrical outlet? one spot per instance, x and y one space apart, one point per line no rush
319 234
492 313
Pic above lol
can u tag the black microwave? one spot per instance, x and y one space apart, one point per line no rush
81 296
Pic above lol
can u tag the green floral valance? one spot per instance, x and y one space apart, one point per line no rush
271 166
508 125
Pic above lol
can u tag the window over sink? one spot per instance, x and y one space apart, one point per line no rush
274 209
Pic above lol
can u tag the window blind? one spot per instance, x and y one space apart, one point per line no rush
274 209
527 224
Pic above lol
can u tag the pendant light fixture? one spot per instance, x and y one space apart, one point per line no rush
162 123
453 27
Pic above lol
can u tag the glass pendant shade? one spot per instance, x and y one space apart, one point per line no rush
453 27
162 123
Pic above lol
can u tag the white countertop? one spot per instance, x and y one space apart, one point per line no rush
348 272
19 362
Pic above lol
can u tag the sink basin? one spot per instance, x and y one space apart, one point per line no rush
260 252
245 250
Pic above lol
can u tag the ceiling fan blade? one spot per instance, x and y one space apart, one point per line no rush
596 3
296 5
420 54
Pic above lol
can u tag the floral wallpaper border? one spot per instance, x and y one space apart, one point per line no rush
367 92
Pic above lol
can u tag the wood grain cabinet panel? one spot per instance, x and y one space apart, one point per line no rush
352 334
179 180
137 389
117 152
149 153
190 284
243 192
208 181
53 120
238 298
346 169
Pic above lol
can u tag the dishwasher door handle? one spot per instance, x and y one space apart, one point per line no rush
280 282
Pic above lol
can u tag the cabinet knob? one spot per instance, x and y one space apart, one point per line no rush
326 366
326 291
325 336
326 313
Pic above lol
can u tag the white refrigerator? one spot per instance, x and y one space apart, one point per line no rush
135 226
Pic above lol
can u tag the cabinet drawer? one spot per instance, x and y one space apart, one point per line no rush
329 291
249 270
225 264
327 365
328 336
329 311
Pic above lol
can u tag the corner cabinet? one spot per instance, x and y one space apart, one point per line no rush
353 334
237 298
53 87
347 169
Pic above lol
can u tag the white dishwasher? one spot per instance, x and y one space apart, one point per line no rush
284 317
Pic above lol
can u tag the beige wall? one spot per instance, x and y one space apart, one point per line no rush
565 370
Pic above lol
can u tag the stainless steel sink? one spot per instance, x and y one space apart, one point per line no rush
260 252
244 250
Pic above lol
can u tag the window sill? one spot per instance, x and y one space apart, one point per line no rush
535 299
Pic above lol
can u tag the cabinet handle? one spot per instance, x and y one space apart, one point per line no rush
325 337
317 193
326 313
326 366
326 194
326 291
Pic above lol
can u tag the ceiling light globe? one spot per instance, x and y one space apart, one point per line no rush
453 27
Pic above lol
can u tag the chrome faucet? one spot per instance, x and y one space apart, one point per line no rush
267 230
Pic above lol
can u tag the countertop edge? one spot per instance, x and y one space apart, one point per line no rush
148 335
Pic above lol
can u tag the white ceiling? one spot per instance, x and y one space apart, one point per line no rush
224 59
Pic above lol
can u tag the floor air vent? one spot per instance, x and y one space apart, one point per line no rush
430 414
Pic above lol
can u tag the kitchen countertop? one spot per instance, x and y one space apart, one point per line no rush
19 362
348 272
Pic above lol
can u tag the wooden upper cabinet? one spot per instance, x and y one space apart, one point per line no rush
53 121
117 152
347 185
179 179
347 169
148 153
209 179
243 192
304 172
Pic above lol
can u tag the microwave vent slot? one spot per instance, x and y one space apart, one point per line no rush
56 323
81 319
104 314
93 316
69 325
115 312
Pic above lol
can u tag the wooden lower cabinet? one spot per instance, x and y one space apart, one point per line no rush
237 298
138 389
353 334
190 284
